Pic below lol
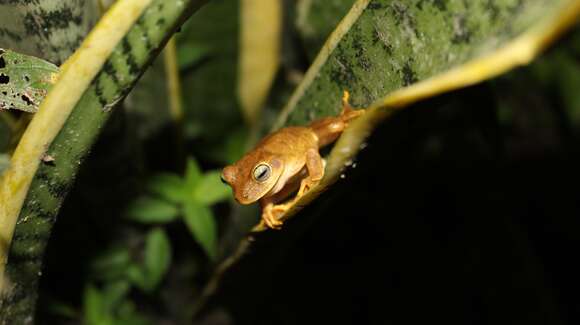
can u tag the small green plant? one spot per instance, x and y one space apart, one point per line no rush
110 306
189 198
169 198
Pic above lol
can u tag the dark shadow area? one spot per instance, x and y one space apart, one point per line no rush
449 216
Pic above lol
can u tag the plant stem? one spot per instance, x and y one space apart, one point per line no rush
174 100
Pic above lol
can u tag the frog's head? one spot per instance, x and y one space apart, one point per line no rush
252 177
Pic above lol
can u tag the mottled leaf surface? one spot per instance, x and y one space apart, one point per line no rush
24 80
49 29
393 44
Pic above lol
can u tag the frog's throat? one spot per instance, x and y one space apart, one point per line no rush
277 186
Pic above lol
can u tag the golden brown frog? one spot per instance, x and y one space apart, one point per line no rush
281 161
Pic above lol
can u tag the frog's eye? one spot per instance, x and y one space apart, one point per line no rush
262 172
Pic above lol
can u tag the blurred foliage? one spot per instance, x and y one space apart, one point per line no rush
260 42
143 261
7 123
4 161
316 19
189 197
139 238
208 57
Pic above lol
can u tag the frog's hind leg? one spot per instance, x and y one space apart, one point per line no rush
348 112
346 102
328 129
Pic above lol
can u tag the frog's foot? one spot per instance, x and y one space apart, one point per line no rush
305 186
271 215
348 112
345 100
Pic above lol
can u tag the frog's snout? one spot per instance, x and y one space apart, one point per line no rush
229 175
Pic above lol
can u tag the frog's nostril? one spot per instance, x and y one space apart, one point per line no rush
229 174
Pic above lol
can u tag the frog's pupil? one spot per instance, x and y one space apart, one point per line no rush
262 173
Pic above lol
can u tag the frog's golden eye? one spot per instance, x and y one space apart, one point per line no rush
262 172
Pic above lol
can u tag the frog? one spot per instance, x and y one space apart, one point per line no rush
285 162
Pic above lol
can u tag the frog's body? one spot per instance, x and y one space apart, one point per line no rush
284 161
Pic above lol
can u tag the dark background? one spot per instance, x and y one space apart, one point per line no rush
448 217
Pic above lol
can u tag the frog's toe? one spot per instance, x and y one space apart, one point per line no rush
306 186
273 223
270 217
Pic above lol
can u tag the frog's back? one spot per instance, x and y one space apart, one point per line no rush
290 140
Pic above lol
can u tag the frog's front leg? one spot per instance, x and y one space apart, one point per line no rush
271 212
315 167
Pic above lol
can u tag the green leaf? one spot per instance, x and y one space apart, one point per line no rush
111 264
192 174
157 256
169 186
137 276
151 210
24 80
128 315
95 312
211 189
113 293
200 221
156 262
22 28
188 54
